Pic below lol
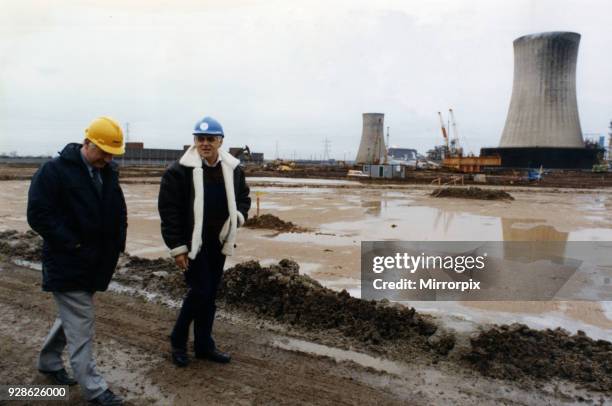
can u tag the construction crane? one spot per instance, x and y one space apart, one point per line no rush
444 133
454 153
244 153
455 148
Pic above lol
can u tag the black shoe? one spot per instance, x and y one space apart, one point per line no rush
107 398
60 377
180 357
215 356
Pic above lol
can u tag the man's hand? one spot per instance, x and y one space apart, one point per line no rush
182 261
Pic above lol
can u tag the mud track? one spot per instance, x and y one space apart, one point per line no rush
134 334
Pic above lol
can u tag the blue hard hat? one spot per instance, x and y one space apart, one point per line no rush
208 126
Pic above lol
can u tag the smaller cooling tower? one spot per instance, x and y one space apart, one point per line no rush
372 148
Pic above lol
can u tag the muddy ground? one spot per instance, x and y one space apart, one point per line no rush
505 364
271 364
295 341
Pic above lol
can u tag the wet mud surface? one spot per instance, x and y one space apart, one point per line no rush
132 353
517 351
26 246
153 275
472 193
298 305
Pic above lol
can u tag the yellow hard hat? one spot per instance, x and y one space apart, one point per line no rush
106 133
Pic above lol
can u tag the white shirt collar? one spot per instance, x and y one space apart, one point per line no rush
214 164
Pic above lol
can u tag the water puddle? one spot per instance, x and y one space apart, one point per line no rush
37 266
367 361
315 239
467 316
161 250
117 287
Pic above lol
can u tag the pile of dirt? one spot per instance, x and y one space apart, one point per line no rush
472 193
281 293
516 351
153 275
271 222
25 246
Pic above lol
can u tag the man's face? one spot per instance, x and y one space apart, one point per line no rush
208 145
95 156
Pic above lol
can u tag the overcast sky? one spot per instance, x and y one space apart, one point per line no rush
292 72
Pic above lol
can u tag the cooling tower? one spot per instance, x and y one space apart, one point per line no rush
372 148
542 127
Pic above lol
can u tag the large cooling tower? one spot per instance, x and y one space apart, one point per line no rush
372 148
542 127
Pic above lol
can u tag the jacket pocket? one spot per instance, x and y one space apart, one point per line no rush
87 254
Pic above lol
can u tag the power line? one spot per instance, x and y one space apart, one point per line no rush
326 149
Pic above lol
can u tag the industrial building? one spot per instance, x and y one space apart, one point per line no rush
385 171
137 154
543 127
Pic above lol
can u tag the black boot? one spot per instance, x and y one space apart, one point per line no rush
60 377
180 357
215 356
107 398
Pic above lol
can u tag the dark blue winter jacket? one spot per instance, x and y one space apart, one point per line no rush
83 231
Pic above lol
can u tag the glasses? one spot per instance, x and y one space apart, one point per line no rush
211 139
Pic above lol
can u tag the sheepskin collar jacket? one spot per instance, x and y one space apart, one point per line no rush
181 203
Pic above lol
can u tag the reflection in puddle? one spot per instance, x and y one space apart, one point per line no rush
418 223
530 230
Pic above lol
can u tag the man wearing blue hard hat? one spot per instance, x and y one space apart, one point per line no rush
203 199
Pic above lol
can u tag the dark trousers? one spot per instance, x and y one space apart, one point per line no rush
203 278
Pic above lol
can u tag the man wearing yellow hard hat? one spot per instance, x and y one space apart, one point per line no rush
76 204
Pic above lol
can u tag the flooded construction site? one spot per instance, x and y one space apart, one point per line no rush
295 284
335 216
